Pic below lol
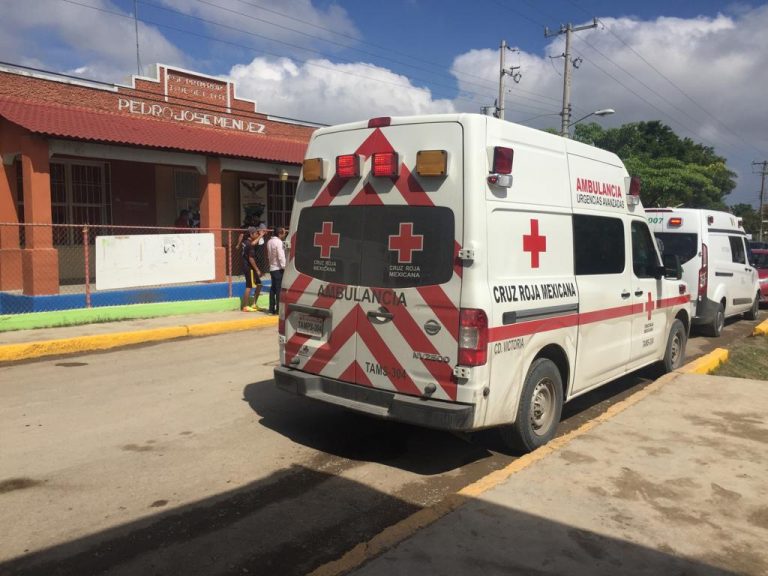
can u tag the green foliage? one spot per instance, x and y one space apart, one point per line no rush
749 217
674 171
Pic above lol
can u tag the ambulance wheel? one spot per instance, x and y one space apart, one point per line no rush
538 413
752 313
716 326
675 352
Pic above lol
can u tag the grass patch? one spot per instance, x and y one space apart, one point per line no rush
747 360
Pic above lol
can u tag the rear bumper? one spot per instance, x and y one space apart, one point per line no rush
382 403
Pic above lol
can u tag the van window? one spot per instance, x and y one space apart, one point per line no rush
598 245
378 246
737 249
683 245
644 258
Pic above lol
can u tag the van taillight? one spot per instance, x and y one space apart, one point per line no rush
348 166
703 272
281 314
385 164
502 160
473 337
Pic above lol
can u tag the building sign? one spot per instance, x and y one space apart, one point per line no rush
186 115
182 91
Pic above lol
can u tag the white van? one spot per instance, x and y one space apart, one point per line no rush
714 252
461 272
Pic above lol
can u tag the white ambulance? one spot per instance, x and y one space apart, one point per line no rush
461 272
714 252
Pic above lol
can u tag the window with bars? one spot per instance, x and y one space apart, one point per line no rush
280 196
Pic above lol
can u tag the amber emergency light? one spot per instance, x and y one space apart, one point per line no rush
431 162
313 170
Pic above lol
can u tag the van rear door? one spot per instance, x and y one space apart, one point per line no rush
377 261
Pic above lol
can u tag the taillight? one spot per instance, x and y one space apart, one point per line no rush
703 272
281 313
348 166
502 160
473 337
384 164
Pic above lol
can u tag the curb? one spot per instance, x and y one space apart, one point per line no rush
761 329
29 350
706 363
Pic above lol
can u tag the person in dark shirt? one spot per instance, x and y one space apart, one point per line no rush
251 270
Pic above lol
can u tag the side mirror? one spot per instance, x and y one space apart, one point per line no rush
672 267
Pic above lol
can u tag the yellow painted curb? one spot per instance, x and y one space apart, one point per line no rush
761 329
706 363
79 344
393 535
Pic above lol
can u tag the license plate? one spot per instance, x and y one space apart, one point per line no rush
310 325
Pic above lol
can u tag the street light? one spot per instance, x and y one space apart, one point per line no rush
603 112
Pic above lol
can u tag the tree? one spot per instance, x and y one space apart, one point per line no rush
673 171
749 216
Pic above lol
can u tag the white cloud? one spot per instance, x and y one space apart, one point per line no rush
66 36
324 92
719 64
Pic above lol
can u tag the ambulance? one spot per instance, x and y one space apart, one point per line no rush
715 256
461 272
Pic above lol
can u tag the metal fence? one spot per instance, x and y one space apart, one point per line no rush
76 268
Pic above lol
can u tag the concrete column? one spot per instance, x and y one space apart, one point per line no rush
10 250
210 212
40 262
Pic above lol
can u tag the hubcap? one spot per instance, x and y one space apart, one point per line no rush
675 349
542 406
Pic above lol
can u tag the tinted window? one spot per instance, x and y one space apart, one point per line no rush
644 258
737 249
685 246
380 246
598 244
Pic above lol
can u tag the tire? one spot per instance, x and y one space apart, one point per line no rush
675 351
753 312
716 326
539 410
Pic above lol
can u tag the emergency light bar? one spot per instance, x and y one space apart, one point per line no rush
385 164
431 162
348 166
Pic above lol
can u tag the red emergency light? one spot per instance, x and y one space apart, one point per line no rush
502 160
379 122
675 222
634 186
348 166
385 164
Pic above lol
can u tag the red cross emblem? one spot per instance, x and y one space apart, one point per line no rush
650 305
326 240
534 243
406 243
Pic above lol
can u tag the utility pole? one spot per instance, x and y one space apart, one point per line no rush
136 25
763 171
504 72
568 30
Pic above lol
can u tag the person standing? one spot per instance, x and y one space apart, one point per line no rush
276 259
251 270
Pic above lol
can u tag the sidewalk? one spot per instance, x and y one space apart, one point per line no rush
25 344
671 481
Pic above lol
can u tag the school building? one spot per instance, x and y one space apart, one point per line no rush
81 152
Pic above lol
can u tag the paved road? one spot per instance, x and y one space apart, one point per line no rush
183 458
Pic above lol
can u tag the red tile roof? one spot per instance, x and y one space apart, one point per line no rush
96 126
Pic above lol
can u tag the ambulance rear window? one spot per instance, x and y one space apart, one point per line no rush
379 246
683 245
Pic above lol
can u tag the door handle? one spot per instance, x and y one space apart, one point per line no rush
380 316
638 292
625 294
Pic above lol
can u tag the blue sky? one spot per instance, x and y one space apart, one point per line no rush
699 66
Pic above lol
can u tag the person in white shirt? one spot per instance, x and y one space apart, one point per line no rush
276 259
